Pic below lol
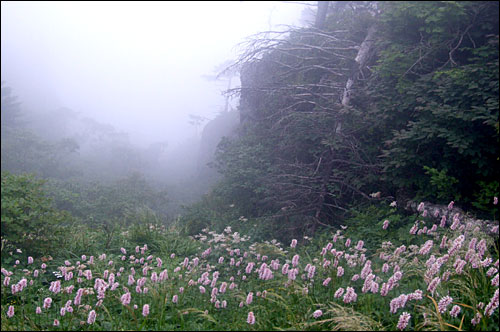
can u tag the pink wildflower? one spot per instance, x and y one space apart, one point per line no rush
455 311
223 287
131 280
10 311
175 299
443 222
433 285
386 224
339 292
294 243
403 320
251 318
367 269
491 271
249 298
284 269
426 247
414 229
492 305
145 310
476 319
494 281
295 260
249 267
56 322
47 302
125 298
317 313
335 238
456 222
444 303
91 318
30 260
312 270
398 302
416 295
481 247
350 295
443 242
457 244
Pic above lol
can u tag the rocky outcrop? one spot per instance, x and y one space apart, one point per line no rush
223 125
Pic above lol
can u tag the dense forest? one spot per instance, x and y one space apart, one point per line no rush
376 125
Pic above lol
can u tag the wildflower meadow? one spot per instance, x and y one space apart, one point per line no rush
444 277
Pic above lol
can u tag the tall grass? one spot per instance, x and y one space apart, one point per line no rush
204 282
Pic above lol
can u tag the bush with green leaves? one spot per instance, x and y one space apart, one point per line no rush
29 220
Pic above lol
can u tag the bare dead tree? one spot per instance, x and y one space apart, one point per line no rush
307 75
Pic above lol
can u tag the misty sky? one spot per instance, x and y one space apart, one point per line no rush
135 65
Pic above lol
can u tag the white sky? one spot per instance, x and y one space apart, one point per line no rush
135 65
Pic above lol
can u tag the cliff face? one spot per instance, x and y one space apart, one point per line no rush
223 125
251 79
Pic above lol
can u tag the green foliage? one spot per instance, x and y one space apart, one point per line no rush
365 223
427 97
435 96
25 152
10 110
483 197
29 221
443 186
123 200
244 163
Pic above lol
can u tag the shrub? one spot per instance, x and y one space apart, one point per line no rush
28 219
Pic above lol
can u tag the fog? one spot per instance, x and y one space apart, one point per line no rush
139 66
125 90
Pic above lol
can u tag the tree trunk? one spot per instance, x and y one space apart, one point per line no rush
321 14
361 60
